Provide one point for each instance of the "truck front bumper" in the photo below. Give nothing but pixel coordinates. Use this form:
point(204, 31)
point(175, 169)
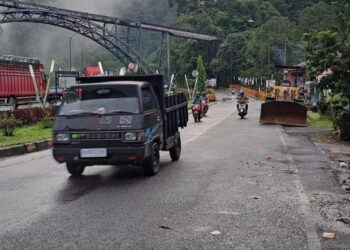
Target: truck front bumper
point(115, 156)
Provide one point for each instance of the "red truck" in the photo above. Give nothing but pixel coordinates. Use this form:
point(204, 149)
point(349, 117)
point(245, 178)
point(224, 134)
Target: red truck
point(16, 83)
point(92, 71)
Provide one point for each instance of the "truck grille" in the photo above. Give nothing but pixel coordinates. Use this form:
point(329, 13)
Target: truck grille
point(96, 136)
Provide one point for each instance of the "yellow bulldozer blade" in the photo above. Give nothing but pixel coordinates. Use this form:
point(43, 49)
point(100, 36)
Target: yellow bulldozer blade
point(284, 113)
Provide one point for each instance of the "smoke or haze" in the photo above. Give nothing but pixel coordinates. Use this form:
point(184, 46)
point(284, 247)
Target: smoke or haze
point(48, 42)
point(278, 55)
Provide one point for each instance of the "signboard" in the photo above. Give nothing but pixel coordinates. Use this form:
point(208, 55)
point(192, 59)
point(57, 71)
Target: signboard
point(270, 83)
point(133, 67)
point(212, 82)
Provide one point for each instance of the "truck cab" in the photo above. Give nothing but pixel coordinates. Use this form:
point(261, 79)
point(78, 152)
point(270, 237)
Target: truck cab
point(118, 121)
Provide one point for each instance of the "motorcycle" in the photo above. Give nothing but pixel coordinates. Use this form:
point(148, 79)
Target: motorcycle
point(205, 107)
point(197, 112)
point(242, 106)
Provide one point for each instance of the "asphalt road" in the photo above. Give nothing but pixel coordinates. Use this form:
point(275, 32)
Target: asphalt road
point(239, 178)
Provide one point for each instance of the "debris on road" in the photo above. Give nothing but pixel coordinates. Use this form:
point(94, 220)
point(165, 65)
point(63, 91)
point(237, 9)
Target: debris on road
point(165, 227)
point(328, 236)
point(216, 233)
point(343, 165)
point(255, 197)
point(269, 158)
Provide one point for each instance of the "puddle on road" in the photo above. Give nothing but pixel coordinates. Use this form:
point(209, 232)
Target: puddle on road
point(77, 187)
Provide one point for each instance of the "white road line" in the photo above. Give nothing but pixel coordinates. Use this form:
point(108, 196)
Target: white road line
point(208, 128)
point(310, 225)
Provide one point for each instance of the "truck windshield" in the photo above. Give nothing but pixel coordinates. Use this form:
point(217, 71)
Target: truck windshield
point(99, 100)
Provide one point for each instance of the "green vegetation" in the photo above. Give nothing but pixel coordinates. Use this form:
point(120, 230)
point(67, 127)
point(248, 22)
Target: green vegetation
point(8, 125)
point(257, 35)
point(319, 121)
point(202, 76)
point(330, 49)
point(26, 134)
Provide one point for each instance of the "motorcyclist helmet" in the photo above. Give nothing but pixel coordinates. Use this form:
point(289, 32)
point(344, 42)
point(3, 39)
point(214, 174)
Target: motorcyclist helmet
point(198, 93)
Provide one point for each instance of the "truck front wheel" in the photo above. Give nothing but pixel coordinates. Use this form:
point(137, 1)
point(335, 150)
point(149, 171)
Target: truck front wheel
point(175, 151)
point(75, 169)
point(12, 101)
point(151, 164)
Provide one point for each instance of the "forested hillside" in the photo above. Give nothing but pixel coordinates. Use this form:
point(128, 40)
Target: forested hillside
point(256, 34)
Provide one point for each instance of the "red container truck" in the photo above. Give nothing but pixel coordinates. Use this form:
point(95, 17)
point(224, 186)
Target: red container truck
point(16, 83)
point(92, 71)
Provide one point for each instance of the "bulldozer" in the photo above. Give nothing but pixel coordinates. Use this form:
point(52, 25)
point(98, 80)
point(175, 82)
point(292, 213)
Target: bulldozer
point(284, 106)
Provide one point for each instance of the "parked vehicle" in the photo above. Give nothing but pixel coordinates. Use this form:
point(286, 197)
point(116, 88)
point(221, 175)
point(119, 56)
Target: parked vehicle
point(284, 106)
point(16, 82)
point(92, 71)
point(242, 106)
point(118, 120)
point(63, 81)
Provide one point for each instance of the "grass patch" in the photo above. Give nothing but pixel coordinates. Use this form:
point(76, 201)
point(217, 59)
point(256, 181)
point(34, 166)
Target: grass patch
point(317, 120)
point(26, 134)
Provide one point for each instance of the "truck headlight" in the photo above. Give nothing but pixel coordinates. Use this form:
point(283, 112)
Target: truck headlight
point(62, 137)
point(130, 136)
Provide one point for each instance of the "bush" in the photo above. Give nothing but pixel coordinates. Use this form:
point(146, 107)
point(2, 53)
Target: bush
point(30, 115)
point(8, 125)
point(336, 113)
point(48, 120)
point(324, 107)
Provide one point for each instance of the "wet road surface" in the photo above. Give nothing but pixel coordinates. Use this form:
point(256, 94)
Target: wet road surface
point(246, 181)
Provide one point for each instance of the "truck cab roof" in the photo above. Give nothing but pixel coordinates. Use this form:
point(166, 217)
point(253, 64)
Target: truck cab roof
point(116, 83)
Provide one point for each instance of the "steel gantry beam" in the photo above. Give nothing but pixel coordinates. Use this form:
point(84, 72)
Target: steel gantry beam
point(122, 37)
point(86, 28)
point(114, 20)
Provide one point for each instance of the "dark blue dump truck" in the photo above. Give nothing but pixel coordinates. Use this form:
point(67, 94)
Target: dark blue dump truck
point(118, 121)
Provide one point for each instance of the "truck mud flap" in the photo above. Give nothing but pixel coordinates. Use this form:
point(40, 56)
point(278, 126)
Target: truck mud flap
point(284, 113)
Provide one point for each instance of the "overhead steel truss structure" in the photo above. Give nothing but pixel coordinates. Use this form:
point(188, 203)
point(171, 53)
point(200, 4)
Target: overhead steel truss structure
point(122, 37)
point(110, 41)
point(105, 20)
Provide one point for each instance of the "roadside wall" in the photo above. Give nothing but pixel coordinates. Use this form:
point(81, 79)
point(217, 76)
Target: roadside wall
point(250, 92)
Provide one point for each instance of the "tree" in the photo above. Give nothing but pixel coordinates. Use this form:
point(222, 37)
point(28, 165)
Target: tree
point(231, 58)
point(269, 45)
point(202, 76)
point(330, 49)
point(319, 16)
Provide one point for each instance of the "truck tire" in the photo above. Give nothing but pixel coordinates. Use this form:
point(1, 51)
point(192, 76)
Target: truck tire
point(12, 101)
point(175, 152)
point(75, 169)
point(151, 164)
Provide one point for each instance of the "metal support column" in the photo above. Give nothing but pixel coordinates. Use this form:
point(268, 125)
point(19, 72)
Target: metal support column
point(168, 57)
point(161, 53)
point(140, 43)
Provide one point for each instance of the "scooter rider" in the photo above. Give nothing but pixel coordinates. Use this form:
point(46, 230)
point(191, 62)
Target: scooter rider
point(241, 97)
point(198, 98)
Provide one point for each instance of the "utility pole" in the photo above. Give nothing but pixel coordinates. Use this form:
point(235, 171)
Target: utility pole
point(231, 68)
point(70, 53)
point(285, 52)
